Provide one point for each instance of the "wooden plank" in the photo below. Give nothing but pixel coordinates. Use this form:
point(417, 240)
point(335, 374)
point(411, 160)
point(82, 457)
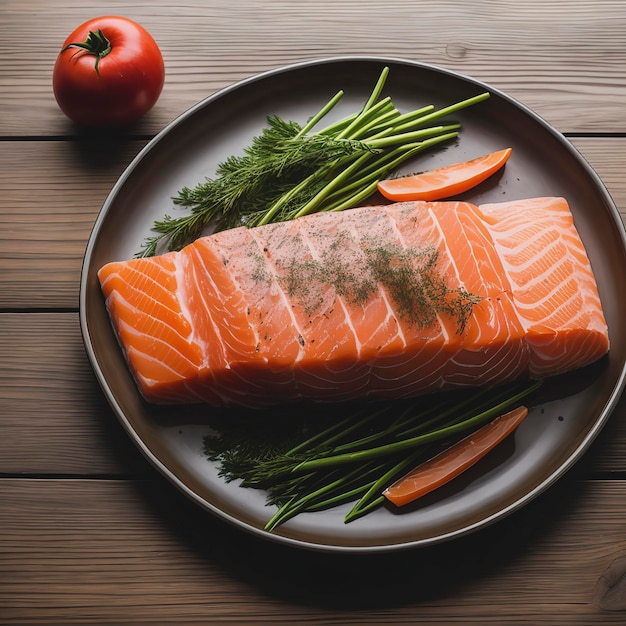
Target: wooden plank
point(570, 64)
point(136, 552)
point(46, 220)
point(51, 194)
point(605, 156)
point(55, 420)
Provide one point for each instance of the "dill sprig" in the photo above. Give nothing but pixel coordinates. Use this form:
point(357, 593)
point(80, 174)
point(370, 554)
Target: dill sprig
point(272, 165)
point(313, 463)
point(291, 170)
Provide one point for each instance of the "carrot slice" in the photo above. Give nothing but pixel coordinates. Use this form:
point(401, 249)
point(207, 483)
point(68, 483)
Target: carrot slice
point(454, 460)
point(444, 182)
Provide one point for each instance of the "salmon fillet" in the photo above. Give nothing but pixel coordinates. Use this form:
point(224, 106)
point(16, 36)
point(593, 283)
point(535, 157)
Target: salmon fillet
point(299, 310)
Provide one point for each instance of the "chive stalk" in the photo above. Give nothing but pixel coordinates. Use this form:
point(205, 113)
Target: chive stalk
point(288, 172)
point(355, 458)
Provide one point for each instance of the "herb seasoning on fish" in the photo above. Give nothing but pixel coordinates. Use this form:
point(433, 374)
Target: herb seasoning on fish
point(410, 276)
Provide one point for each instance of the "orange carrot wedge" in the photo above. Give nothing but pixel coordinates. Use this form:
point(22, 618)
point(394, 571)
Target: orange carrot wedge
point(444, 182)
point(455, 460)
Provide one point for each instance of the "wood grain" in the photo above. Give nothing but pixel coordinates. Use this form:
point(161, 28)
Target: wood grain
point(51, 194)
point(89, 532)
point(569, 64)
point(128, 552)
point(53, 417)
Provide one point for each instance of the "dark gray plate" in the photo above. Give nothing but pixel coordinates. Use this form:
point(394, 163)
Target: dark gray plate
point(543, 162)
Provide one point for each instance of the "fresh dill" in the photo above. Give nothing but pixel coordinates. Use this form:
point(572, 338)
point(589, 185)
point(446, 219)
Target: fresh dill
point(309, 460)
point(291, 170)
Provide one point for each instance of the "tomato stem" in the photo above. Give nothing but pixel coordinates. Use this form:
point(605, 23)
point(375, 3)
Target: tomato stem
point(96, 44)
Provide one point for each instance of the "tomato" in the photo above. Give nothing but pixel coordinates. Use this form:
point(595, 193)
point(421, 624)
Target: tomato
point(110, 72)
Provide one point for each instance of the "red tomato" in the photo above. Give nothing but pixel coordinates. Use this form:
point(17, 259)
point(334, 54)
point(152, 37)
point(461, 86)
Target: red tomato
point(110, 72)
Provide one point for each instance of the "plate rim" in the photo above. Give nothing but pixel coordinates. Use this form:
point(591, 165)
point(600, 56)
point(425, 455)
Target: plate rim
point(587, 440)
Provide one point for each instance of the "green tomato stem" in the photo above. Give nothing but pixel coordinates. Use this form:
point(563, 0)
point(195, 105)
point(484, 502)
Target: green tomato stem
point(96, 44)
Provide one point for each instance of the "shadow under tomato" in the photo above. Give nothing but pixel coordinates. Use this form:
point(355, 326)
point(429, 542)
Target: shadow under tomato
point(106, 151)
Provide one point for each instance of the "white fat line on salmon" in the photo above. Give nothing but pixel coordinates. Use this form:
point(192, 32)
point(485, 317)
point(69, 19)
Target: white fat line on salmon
point(272, 276)
point(433, 371)
point(573, 301)
point(192, 391)
point(566, 260)
point(211, 384)
point(184, 298)
point(393, 228)
point(233, 394)
point(127, 328)
point(158, 304)
point(118, 300)
point(504, 362)
point(440, 321)
point(546, 248)
point(338, 298)
point(382, 292)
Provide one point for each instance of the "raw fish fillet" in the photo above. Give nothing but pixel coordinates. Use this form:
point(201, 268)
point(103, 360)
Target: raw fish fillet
point(243, 317)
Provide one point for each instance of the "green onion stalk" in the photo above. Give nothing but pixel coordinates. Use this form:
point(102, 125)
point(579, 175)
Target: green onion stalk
point(291, 170)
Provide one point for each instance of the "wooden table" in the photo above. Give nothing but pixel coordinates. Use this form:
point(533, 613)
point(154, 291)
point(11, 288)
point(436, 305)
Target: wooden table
point(89, 532)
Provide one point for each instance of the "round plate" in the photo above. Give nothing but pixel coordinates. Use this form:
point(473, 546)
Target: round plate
point(543, 163)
